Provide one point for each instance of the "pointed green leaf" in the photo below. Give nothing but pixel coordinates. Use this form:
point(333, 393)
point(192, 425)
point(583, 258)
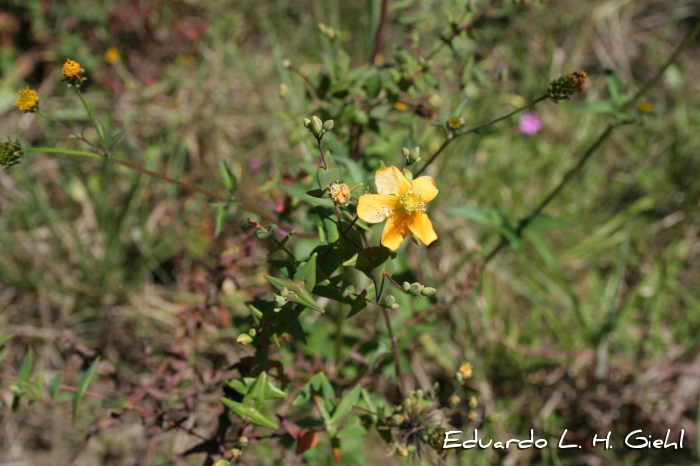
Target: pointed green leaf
point(82, 387)
point(229, 179)
point(25, 370)
point(352, 428)
point(254, 416)
point(306, 274)
point(4, 338)
point(344, 408)
point(221, 211)
point(115, 139)
point(545, 222)
point(55, 386)
point(326, 177)
point(320, 405)
point(100, 130)
point(256, 393)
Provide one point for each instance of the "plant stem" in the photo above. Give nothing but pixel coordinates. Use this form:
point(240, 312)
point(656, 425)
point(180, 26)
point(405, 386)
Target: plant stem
point(378, 33)
point(477, 129)
point(395, 348)
point(220, 197)
point(78, 136)
point(323, 154)
point(94, 123)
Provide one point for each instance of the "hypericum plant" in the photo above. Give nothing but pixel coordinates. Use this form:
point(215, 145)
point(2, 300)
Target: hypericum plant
point(347, 271)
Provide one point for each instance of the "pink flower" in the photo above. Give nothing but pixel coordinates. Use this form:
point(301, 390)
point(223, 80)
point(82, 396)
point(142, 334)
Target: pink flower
point(255, 165)
point(530, 124)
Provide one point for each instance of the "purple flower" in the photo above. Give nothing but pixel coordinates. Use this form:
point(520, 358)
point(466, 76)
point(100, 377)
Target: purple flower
point(255, 165)
point(530, 124)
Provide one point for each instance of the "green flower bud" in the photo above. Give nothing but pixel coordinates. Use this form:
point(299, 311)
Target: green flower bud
point(252, 332)
point(406, 286)
point(388, 301)
point(328, 125)
point(407, 173)
point(280, 301)
point(401, 451)
point(316, 125)
point(473, 403)
point(454, 400)
point(307, 122)
point(221, 463)
point(415, 289)
point(394, 306)
point(284, 292)
point(405, 151)
point(244, 339)
point(243, 441)
point(414, 156)
point(428, 291)
point(565, 86)
point(397, 419)
point(277, 309)
point(11, 153)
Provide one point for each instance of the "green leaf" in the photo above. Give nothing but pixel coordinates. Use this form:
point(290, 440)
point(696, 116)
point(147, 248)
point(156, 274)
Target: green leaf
point(614, 84)
point(254, 416)
point(227, 177)
point(115, 139)
point(370, 258)
point(301, 295)
point(35, 389)
point(100, 130)
point(256, 393)
point(266, 232)
point(484, 216)
point(221, 211)
point(344, 407)
point(325, 416)
point(25, 370)
point(358, 303)
point(381, 282)
point(55, 386)
point(82, 387)
point(545, 222)
point(306, 274)
point(352, 428)
point(119, 403)
point(326, 177)
point(318, 193)
point(512, 237)
point(461, 107)
point(4, 338)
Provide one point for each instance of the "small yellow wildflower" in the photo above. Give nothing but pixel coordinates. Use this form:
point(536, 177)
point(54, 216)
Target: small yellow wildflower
point(112, 55)
point(28, 100)
point(645, 107)
point(400, 106)
point(72, 70)
point(402, 204)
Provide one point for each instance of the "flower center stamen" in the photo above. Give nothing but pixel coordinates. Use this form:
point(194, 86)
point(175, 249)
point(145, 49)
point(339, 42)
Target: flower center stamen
point(412, 201)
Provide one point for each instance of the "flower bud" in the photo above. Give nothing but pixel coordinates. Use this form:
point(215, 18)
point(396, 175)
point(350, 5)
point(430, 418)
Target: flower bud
point(454, 400)
point(328, 125)
point(316, 125)
point(406, 286)
point(236, 452)
point(455, 122)
point(388, 301)
point(394, 306)
point(286, 63)
point(473, 403)
point(405, 151)
point(11, 153)
point(565, 86)
point(252, 332)
point(244, 339)
point(243, 441)
point(307, 122)
point(221, 463)
point(465, 370)
point(397, 419)
point(284, 90)
point(280, 301)
point(472, 416)
point(407, 174)
point(428, 291)
point(415, 289)
point(340, 193)
point(401, 451)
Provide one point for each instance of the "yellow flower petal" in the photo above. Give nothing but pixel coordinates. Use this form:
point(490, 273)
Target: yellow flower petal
point(375, 208)
point(421, 226)
point(395, 230)
point(390, 180)
point(426, 186)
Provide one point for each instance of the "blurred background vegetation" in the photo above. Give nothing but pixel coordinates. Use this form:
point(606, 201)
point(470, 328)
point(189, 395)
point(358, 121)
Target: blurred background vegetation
point(592, 326)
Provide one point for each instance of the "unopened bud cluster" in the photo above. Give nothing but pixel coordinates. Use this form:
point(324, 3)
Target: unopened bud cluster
point(565, 86)
point(318, 128)
point(390, 302)
point(327, 31)
point(412, 156)
point(416, 289)
point(281, 299)
point(11, 153)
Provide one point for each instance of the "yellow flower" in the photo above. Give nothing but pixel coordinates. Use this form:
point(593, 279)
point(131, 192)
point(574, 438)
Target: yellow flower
point(28, 100)
point(112, 55)
point(71, 69)
point(402, 204)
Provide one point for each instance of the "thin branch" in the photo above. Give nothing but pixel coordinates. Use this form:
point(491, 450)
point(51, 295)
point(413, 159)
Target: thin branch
point(395, 348)
point(378, 33)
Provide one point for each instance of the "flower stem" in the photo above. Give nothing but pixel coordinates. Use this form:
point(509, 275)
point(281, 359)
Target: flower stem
point(476, 129)
point(78, 136)
point(131, 166)
point(395, 348)
point(94, 122)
